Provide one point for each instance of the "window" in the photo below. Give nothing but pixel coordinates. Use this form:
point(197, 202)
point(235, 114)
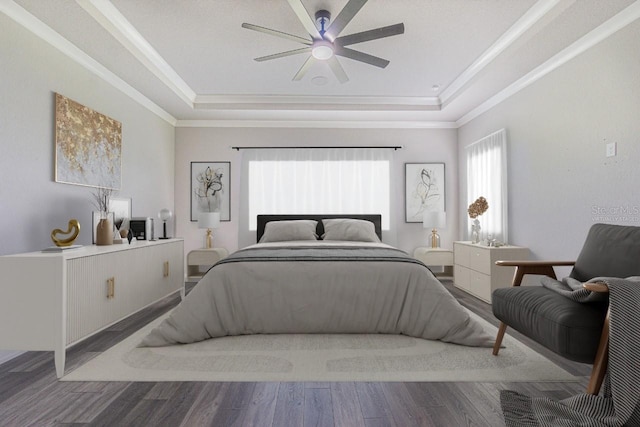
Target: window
point(487, 177)
point(312, 181)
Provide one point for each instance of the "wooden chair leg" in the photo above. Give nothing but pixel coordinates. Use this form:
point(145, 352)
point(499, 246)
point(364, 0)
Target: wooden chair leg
point(602, 360)
point(501, 330)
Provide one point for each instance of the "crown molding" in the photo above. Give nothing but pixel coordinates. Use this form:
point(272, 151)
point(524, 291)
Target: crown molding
point(121, 29)
point(595, 36)
point(46, 33)
point(317, 102)
point(526, 21)
point(319, 124)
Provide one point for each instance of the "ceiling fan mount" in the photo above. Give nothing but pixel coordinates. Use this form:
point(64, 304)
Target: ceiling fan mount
point(323, 17)
point(325, 43)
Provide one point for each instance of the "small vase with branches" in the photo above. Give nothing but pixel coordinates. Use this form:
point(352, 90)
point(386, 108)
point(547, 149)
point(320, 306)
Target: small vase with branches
point(104, 227)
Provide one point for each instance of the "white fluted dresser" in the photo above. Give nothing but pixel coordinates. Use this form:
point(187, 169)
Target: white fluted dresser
point(51, 301)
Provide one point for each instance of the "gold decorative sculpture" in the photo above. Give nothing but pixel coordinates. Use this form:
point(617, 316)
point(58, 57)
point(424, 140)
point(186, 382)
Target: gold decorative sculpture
point(74, 229)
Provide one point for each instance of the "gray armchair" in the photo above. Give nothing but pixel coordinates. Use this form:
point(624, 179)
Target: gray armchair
point(576, 331)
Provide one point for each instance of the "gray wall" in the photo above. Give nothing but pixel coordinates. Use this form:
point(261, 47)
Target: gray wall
point(211, 144)
point(31, 203)
point(560, 182)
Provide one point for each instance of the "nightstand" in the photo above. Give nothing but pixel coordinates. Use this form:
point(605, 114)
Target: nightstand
point(198, 258)
point(436, 256)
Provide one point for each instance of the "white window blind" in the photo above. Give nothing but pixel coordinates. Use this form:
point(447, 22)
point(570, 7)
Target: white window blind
point(317, 181)
point(487, 177)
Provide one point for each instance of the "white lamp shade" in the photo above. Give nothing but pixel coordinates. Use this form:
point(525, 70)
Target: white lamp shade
point(434, 219)
point(208, 219)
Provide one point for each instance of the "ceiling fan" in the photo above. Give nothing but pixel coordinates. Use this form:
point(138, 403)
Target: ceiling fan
point(324, 43)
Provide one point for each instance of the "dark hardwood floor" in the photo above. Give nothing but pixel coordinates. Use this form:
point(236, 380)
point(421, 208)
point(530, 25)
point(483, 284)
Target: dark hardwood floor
point(31, 395)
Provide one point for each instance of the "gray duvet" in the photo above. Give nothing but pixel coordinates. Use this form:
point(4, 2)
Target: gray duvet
point(311, 287)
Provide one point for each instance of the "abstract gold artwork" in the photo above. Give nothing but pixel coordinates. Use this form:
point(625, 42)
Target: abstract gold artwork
point(88, 146)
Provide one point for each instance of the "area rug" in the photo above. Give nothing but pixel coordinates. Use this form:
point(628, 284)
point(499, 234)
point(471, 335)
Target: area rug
point(353, 357)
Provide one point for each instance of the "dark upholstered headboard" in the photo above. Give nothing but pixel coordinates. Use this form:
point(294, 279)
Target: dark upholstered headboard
point(264, 219)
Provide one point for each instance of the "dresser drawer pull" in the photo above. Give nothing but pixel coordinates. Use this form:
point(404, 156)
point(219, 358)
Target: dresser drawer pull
point(165, 270)
point(111, 287)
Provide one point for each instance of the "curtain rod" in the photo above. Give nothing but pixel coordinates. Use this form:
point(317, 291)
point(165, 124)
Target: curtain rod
point(395, 147)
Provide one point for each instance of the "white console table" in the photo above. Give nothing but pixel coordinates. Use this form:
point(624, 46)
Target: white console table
point(51, 301)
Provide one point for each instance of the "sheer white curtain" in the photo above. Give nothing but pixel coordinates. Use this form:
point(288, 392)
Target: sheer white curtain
point(313, 181)
point(487, 177)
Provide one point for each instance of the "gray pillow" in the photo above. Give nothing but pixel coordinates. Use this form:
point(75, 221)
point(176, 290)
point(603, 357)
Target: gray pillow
point(281, 231)
point(358, 230)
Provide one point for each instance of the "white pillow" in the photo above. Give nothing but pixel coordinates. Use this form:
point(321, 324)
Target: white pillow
point(358, 230)
point(280, 231)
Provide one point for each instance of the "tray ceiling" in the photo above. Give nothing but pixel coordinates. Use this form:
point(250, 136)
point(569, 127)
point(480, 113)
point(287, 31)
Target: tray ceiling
point(195, 62)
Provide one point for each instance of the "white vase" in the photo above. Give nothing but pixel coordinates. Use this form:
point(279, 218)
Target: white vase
point(475, 231)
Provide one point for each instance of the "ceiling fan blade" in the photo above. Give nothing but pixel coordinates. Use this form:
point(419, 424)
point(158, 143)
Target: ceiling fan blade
point(305, 67)
point(344, 17)
point(283, 54)
point(361, 56)
point(337, 69)
point(276, 33)
point(304, 17)
point(365, 36)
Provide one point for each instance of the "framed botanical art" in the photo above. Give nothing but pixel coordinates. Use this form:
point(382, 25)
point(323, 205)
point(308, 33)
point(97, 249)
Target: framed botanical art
point(88, 146)
point(210, 189)
point(424, 189)
point(121, 208)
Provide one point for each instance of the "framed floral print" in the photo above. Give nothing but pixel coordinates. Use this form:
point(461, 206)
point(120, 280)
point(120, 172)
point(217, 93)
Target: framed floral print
point(424, 189)
point(210, 189)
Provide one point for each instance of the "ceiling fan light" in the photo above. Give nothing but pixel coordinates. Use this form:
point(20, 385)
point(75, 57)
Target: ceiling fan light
point(322, 50)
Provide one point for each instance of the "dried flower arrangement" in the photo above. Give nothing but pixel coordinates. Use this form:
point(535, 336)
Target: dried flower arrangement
point(101, 199)
point(478, 207)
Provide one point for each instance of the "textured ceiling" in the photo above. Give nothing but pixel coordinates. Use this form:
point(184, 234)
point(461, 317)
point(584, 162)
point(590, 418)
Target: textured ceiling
point(195, 61)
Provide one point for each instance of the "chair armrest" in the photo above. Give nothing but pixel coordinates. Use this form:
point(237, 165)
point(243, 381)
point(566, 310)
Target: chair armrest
point(532, 267)
point(599, 287)
point(535, 263)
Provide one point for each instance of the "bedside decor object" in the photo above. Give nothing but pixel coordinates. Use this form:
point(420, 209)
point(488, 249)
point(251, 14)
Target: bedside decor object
point(210, 191)
point(434, 220)
point(88, 146)
point(424, 189)
point(164, 215)
point(476, 209)
point(208, 220)
point(73, 229)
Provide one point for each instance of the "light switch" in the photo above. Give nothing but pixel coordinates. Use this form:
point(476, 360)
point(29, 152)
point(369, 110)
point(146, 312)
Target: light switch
point(611, 149)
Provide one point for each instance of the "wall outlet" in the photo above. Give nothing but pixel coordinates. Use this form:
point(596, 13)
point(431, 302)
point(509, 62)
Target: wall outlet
point(611, 149)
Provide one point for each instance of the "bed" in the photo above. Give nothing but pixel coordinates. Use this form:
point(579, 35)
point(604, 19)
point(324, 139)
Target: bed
point(319, 274)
